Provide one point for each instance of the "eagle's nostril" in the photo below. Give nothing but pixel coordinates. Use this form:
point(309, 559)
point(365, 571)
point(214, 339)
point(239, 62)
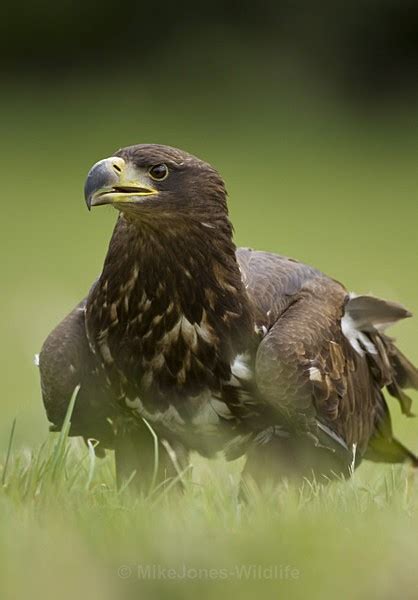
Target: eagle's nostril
point(117, 164)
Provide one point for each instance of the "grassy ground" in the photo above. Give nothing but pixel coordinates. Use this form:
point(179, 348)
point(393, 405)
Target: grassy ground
point(333, 188)
point(66, 531)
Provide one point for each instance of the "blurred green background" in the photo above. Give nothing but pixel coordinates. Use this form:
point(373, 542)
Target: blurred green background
point(309, 111)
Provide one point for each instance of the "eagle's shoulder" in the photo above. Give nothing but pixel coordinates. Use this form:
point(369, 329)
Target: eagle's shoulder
point(273, 282)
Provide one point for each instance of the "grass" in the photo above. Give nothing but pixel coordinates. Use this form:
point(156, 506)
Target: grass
point(331, 187)
point(65, 529)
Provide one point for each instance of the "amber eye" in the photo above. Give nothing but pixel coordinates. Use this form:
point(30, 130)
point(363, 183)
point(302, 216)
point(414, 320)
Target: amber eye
point(158, 172)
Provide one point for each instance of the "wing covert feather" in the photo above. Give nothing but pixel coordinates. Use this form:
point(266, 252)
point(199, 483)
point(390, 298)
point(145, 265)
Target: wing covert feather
point(66, 361)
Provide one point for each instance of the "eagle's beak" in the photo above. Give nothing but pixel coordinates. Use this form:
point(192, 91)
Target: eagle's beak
point(113, 181)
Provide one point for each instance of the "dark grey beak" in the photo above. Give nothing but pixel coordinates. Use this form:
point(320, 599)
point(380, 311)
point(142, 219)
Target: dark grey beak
point(102, 177)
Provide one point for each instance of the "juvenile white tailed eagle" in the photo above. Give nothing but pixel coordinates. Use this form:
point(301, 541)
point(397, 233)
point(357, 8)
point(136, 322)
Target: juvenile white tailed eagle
point(218, 348)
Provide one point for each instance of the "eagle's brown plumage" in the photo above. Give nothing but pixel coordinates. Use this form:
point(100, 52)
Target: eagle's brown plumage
point(218, 348)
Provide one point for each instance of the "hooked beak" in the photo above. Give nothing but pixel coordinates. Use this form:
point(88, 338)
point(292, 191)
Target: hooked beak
point(113, 181)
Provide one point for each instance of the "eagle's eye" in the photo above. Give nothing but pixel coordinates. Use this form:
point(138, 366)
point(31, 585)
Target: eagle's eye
point(158, 172)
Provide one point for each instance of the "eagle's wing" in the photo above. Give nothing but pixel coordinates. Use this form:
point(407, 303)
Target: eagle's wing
point(65, 362)
point(323, 359)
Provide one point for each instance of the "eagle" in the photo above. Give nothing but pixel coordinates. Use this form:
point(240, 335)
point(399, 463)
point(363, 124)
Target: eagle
point(189, 341)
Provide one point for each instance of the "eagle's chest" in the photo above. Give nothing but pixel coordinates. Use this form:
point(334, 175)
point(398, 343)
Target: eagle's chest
point(151, 350)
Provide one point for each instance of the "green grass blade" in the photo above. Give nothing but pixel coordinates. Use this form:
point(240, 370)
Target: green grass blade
point(9, 450)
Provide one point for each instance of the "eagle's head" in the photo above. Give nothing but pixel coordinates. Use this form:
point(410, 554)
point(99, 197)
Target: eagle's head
point(149, 181)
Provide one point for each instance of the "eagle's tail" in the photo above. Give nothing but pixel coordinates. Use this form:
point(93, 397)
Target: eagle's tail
point(390, 450)
point(391, 370)
point(394, 371)
point(404, 375)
